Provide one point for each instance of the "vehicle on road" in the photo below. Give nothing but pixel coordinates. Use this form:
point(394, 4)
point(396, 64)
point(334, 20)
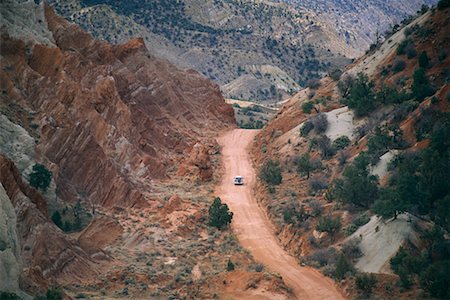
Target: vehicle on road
point(238, 180)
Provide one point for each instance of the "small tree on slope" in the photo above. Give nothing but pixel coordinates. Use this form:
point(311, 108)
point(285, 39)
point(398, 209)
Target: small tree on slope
point(219, 214)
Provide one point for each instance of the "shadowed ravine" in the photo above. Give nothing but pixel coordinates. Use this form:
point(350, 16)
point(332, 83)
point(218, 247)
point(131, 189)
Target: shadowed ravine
point(252, 226)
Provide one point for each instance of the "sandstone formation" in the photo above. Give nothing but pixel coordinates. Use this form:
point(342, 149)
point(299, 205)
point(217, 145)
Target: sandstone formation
point(111, 118)
point(107, 121)
point(42, 251)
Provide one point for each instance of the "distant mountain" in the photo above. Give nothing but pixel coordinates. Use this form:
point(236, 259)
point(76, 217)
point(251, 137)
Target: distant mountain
point(358, 21)
point(256, 50)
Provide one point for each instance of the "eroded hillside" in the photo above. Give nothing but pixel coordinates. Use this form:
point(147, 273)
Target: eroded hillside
point(354, 174)
point(106, 168)
point(253, 50)
point(259, 50)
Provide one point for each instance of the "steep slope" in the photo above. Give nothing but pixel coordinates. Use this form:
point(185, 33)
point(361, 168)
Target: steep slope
point(248, 45)
point(130, 116)
point(125, 142)
point(358, 22)
point(245, 46)
point(395, 124)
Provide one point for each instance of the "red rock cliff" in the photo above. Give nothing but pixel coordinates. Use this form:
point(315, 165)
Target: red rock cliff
point(111, 118)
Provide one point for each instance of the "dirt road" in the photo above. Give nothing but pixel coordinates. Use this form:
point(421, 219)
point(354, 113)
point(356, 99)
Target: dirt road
point(253, 228)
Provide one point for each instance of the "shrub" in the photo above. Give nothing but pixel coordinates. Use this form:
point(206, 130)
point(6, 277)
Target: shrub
point(56, 218)
point(342, 267)
point(316, 208)
point(258, 267)
point(329, 224)
point(54, 294)
point(357, 186)
point(294, 214)
point(324, 257)
point(410, 51)
point(40, 177)
point(306, 128)
point(230, 266)
point(389, 94)
point(313, 84)
point(305, 165)
point(436, 281)
point(443, 4)
point(398, 65)
point(307, 107)
point(317, 183)
point(402, 110)
point(219, 214)
point(361, 97)
point(421, 87)
point(365, 283)
point(341, 142)
point(324, 145)
point(401, 47)
point(345, 85)
point(9, 296)
point(350, 229)
point(424, 60)
point(343, 156)
point(335, 74)
point(361, 220)
point(320, 122)
point(442, 55)
point(351, 248)
point(271, 173)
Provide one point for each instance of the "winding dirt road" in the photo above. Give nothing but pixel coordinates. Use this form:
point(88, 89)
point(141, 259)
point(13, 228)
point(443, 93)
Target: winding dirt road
point(252, 226)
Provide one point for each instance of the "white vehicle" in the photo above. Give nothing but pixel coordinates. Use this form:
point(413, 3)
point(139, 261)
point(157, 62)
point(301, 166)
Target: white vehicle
point(238, 180)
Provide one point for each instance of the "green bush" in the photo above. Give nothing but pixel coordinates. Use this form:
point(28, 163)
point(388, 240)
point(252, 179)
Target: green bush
point(421, 87)
point(358, 186)
point(307, 107)
point(343, 267)
point(320, 122)
point(230, 266)
point(329, 224)
point(361, 220)
point(365, 283)
point(306, 128)
point(305, 165)
point(54, 294)
point(323, 143)
point(56, 218)
point(361, 97)
point(424, 61)
point(341, 142)
point(443, 4)
point(335, 74)
point(398, 65)
point(40, 177)
point(271, 173)
point(401, 49)
point(9, 296)
point(219, 214)
point(436, 280)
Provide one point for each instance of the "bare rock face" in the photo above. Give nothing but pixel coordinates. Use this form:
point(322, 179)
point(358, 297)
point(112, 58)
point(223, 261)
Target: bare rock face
point(106, 120)
point(111, 118)
point(9, 245)
point(45, 252)
point(197, 165)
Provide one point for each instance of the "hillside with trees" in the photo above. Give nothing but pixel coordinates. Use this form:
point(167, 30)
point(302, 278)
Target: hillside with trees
point(375, 172)
point(257, 50)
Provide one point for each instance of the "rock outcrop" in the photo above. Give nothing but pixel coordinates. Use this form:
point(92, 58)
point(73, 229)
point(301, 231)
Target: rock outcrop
point(41, 250)
point(107, 121)
point(111, 118)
